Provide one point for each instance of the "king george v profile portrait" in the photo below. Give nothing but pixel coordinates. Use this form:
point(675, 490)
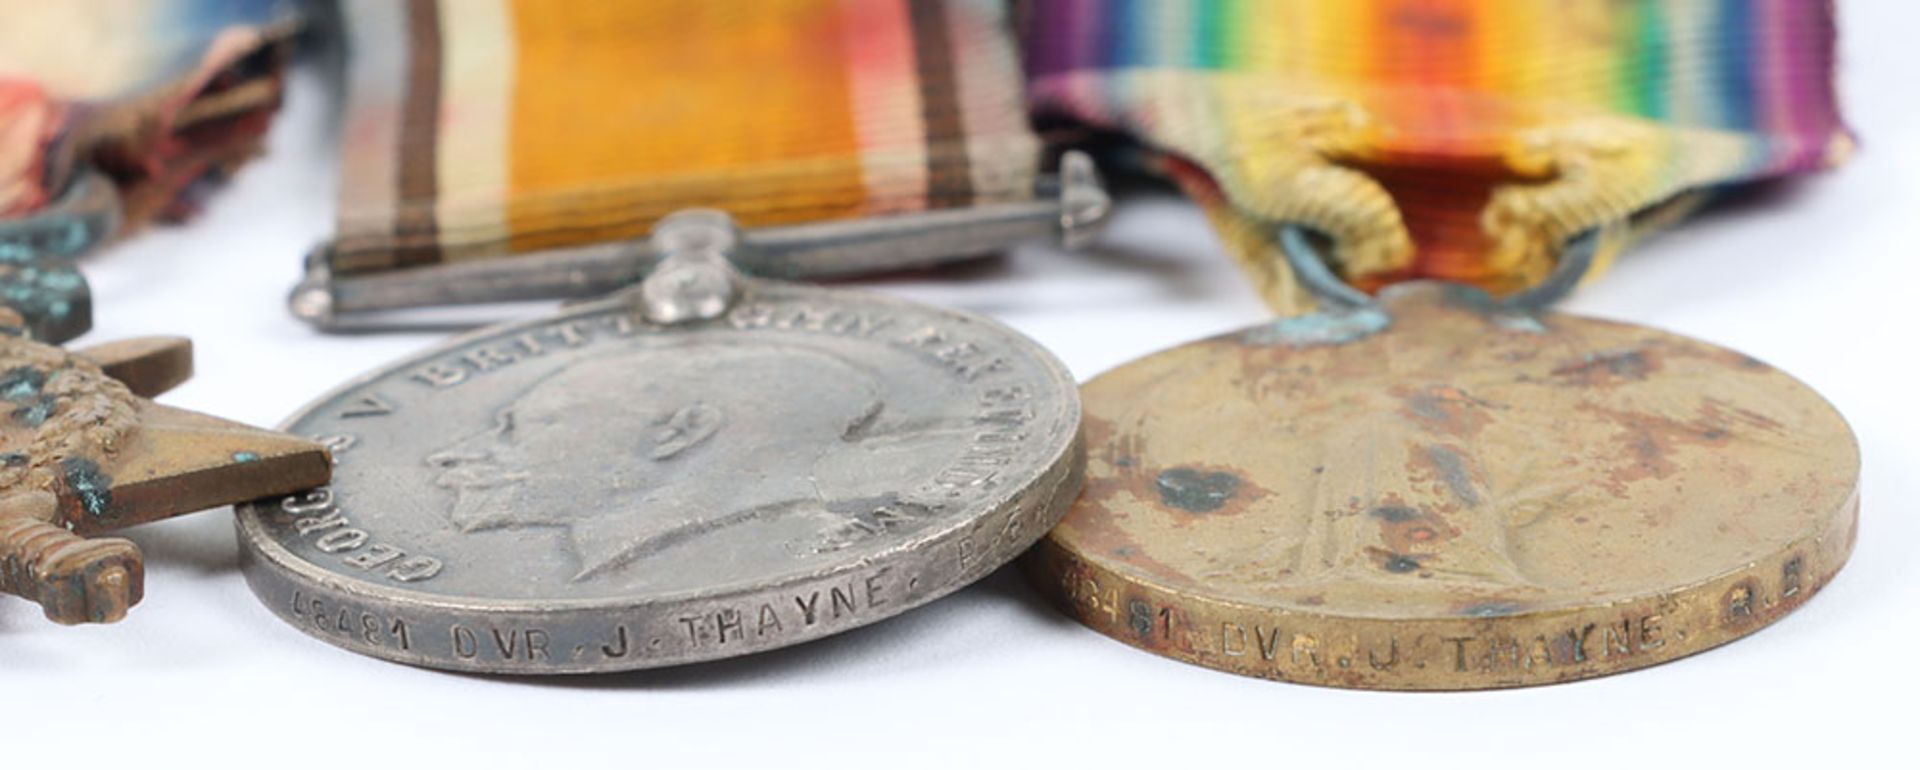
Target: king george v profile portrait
point(649, 449)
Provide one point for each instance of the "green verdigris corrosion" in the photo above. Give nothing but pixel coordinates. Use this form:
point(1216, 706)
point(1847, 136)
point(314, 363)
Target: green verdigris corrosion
point(93, 488)
point(38, 278)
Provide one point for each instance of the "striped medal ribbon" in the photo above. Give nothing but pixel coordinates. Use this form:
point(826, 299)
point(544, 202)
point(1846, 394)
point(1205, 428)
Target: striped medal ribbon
point(559, 133)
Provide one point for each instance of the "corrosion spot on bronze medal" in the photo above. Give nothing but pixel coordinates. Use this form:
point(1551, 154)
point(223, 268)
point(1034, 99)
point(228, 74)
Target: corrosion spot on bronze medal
point(21, 383)
point(1405, 529)
point(1444, 409)
point(1395, 514)
point(36, 412)
point(92, 487)
point(24, 386)
point(1193, 490)
point(1451, 467)
point(1491, 609)
point(1607, 367)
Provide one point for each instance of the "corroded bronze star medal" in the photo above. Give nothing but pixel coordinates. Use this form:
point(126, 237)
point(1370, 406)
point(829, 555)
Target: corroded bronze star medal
point(1444, 492)
point(83, 452)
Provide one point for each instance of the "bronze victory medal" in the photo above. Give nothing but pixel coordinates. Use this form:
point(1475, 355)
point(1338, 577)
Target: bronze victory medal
point(1464, 497)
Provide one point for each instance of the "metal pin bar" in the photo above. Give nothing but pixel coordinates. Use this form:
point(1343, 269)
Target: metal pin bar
point(1077, 205)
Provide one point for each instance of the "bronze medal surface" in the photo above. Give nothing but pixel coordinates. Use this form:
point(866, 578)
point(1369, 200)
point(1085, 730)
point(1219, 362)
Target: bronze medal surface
point(1461, 499)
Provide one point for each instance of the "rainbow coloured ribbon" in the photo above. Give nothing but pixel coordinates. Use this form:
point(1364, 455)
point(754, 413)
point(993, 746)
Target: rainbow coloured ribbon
point(1456, 139)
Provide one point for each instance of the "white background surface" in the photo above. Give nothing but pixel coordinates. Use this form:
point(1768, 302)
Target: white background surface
point(1819, 279)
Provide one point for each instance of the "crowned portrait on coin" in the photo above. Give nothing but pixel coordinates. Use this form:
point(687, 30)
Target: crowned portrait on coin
point(639, 452)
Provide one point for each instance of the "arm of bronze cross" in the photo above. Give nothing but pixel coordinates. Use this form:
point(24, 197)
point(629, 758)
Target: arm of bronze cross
point(82, 451)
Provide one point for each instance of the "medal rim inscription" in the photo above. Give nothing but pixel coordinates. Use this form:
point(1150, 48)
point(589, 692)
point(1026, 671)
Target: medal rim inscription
point(277, 575)
point(1186, 623)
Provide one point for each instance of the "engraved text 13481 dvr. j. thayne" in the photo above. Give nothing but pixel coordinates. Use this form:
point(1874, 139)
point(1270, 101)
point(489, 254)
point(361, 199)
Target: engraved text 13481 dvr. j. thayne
point(597, 491)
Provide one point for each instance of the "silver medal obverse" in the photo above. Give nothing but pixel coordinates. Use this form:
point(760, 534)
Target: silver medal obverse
point(597, 492)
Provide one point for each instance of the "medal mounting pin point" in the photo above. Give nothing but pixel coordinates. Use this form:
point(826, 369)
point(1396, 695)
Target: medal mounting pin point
point(695, 280)
point(1069, 208)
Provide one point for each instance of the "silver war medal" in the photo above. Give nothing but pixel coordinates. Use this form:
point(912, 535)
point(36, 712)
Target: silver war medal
point(700, 467)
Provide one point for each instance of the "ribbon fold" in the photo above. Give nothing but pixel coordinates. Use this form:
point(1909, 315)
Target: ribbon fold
point(1463, 140)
